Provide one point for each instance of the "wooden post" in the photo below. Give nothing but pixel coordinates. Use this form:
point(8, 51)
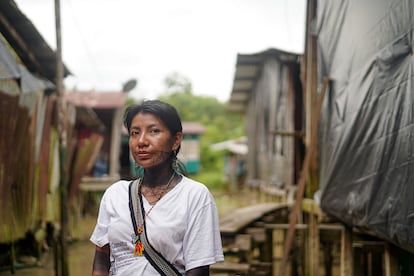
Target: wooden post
point(311, 151)
point(268, 247)
point(63, 184)
point(278, 238)
point(346, 265)
point(12, 258)
point(390, 261)
point(313, 245)
point(313, 104)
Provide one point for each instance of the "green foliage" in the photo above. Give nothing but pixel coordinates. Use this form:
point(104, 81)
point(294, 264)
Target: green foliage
point(212, 179)
point(176, 83)
point(220, 124)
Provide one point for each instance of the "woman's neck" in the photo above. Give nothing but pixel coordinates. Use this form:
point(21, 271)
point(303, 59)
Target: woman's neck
point(157, 176)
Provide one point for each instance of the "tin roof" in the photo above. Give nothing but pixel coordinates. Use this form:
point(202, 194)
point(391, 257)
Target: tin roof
point(27, 42)
point(247, 73)
point(97, 99)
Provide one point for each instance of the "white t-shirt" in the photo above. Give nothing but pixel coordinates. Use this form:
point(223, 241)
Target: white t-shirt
point(183, 226)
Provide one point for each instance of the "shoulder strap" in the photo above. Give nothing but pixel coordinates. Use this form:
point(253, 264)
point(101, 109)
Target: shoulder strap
point(155, 258)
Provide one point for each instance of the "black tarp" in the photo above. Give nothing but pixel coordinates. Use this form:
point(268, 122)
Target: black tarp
point(366, 135)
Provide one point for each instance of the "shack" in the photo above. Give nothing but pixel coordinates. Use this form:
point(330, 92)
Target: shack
point(108, 107)
point(190, 146)
point(29, 142)
point(344, 139)
point(267, 90)
point(234, 154)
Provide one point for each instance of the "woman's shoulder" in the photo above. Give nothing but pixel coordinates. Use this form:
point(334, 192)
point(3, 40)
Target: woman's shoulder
point(195, 193)
point(193, 187)
point(118, 186)
point(194, 184)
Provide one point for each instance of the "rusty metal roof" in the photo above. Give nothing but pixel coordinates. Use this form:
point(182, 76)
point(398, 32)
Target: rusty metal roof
point(27, 42)
point(97, 99)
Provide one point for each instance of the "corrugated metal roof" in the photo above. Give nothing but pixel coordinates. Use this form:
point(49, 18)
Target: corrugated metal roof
point(248, 70)
point(9, 68)
point(237, 146)
point(97, 99)
point(27, 42)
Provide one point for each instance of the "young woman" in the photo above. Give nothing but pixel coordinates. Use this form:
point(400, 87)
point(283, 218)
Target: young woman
point(179, 215)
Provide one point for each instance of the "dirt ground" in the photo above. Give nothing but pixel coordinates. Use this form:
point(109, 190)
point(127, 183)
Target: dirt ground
point(81, 251)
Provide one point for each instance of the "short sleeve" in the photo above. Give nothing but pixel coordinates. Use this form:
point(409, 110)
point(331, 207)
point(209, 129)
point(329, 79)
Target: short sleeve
point(202, 243)
point(100, 234)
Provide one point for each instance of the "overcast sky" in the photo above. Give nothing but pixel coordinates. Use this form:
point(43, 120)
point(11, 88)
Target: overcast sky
point(107, 42)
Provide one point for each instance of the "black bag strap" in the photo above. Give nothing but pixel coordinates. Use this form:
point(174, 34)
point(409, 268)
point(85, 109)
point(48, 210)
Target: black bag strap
point(155, 258)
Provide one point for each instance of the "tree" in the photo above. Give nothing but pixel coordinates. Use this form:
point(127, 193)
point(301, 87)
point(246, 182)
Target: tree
point(220, 124)
point(177, 83)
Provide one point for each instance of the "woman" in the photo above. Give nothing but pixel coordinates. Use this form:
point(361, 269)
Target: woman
point(179, 215)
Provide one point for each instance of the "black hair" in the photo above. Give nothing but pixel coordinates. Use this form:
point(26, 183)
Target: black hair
point(164, 111)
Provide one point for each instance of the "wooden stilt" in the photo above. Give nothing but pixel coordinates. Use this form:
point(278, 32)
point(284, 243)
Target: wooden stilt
point(391, 261)
point(313, 243)
point(12, 259)
point(346, 252)
point(278, 251)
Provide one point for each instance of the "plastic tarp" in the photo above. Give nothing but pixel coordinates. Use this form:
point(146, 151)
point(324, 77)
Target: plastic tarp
point(366, 134)
point(9, 69)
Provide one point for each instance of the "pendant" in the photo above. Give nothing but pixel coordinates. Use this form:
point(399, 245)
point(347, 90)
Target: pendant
point(138, 248)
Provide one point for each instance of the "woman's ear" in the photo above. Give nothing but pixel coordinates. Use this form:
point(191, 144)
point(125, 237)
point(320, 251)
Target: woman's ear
point(177, 142)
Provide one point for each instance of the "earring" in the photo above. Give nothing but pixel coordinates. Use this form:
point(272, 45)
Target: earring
point(174, 163)
point(139, 171)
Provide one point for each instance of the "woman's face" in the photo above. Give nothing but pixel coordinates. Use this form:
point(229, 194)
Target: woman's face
point(150, 141)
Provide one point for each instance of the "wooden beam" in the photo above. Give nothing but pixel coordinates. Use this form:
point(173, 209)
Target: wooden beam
point(346, 263)
point(299, 134)
point(391, 261)
point(311, 151)
point(313, 245)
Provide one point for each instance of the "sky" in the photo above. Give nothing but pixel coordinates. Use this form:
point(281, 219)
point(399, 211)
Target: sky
point(105, 43)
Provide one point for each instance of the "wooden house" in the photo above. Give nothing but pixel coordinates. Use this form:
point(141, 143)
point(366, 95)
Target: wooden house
point(267, 89)
point(32, 127)
point(352, 124)
point(190, 146)
point(234, 153)
point(104, 168)
point(29, 140)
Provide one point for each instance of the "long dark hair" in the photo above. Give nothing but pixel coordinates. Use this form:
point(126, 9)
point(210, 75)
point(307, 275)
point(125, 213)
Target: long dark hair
point(167, 114)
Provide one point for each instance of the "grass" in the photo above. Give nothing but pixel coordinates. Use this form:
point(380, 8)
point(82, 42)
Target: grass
point(214, 180)
point(226, 199)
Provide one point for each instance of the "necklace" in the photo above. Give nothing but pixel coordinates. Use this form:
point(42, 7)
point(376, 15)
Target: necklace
point(160, 193)
point(139, 247)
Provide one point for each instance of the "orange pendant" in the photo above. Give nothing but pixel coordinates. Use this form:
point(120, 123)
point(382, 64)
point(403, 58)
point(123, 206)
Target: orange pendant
point(139, 230)
point(138, 249)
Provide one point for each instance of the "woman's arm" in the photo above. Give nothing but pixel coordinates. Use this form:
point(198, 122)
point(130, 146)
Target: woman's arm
point(101, 262)
point(199, 271)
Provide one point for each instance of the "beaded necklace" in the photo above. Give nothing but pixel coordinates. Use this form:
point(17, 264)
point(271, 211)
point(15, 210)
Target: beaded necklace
point(139, 247)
